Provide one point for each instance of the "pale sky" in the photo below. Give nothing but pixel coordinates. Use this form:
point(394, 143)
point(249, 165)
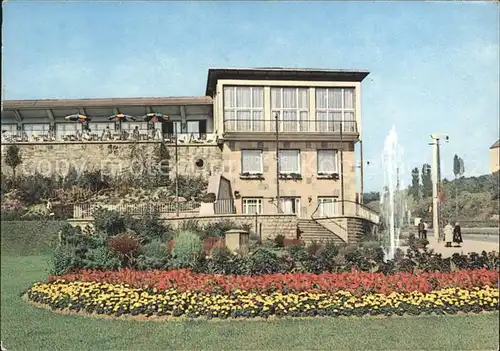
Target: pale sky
point(434, 65)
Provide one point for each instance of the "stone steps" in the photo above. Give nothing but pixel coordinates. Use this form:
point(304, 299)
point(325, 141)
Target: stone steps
point(312, 231)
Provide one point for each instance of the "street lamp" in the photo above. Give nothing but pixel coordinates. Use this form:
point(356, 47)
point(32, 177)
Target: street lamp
point(436, 181)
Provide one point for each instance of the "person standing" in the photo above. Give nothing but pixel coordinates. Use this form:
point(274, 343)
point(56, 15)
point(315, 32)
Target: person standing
point(448, 234)
point(420, 229)
point(426, 228)
point(457, 234)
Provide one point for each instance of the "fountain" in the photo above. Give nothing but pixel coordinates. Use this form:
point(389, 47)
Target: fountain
point(394, 210)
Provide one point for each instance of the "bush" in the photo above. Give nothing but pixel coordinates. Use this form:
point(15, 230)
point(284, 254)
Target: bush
point(125, 246)
point(63, 260)
point(188, 246)
point(154, 255)
point(149, 229)
point(109, 222)
point(101, 258)
point(266, 261)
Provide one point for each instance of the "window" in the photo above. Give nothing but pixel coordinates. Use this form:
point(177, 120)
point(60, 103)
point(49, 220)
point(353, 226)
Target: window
point(171, 128)
point(251, 161)
point(327, 162)
point(243, 109)
point(196, 128)
point(292, 107)
point(130, 126)
point(252, 205)
point(10, 130)
point(99, 127)
point(290, 205)
point(327, 206)
point(37, 129)
point(66, 129)
point(289, 161)
point(333, 106)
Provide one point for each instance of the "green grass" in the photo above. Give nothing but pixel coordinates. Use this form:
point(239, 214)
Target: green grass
point(25, 327)
point(29, 237)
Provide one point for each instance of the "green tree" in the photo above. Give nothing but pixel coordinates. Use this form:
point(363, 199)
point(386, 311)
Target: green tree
point(458, 171)
point(414, 189)
point(13, 158)
point(426, 181)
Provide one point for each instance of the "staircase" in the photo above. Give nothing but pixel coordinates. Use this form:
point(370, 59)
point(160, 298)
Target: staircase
point(312, 231)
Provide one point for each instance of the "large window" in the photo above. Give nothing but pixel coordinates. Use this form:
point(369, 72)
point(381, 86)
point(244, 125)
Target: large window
point(251, 162)
point(99, 127)
point(40, 128)
point(289, 161)
point(327, 162)
point(333, 107)
point(252, 205)
point(9, 129)
point(292, 107)
point(290, 205)
point(67, 129)
point(243, 109)
point(328, 206)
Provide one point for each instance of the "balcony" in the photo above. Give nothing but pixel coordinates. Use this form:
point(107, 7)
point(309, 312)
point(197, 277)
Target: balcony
point(290, 130)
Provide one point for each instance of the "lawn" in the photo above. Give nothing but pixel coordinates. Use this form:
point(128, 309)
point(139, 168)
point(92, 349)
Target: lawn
point(27, 328)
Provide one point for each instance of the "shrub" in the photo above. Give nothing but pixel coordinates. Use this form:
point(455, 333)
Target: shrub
point(266, 261)
point(63, 260)
point(109, 222)
point(149, 228)
point(187, 247)
point(126, 246)
point(154, 255)
point(101, 258)
point(279, 240)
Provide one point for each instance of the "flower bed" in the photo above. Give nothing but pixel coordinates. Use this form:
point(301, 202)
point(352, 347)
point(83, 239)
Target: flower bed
point(355, 282)
point(119, 299)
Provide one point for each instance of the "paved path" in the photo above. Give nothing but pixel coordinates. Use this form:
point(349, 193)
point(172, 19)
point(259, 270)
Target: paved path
point(466, 247)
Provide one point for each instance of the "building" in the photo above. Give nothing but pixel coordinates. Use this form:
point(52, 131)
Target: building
point(495, 157)
point(287, 140)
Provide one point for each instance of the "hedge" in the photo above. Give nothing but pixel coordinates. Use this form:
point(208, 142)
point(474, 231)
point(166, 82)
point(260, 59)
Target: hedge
point(25, 238)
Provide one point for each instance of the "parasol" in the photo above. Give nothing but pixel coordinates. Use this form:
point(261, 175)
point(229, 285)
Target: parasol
point(155, 117)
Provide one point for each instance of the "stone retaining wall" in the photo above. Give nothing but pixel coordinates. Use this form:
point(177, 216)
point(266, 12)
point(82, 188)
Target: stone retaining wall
point(113, 159)
point(268, 225)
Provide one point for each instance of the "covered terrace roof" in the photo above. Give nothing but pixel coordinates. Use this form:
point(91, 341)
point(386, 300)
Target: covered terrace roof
point(57, 109)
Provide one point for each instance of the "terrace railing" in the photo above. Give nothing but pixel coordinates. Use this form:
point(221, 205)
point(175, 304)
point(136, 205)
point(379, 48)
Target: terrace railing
point(86, 210)
point(290, 125)
point(37, 137)
point(351, 208)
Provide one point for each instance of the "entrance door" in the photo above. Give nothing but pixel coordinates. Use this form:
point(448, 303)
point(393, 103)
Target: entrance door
point(290, 205)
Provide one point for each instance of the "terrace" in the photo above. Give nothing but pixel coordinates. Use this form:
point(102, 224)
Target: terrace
point(188, 120)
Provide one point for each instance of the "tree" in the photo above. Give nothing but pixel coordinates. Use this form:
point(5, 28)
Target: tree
point(458, 170)
point(414, 189)
point(426, 181)
point(13, 158)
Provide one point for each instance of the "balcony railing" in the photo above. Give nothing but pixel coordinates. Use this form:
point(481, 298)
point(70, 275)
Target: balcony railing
point(298, 126)
point(37, 137)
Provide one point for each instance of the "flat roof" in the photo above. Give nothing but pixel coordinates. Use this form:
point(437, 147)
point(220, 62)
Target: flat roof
point(282, 73)
point(106, 102)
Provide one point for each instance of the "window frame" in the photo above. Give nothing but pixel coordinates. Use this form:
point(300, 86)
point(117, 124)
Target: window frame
point(259, 203)
point(300, 127)
point(299, 161)
point(243, 171)
point(255, 124)
point(322, 201)
point(322, 172)
point(330, 123)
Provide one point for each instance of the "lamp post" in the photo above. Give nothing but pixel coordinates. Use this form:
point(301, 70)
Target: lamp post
point(276, 125)
point(176, 171)
point(436, 180)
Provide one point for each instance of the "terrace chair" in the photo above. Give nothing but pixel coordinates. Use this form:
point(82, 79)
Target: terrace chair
point(182, 138)
point(211, 138)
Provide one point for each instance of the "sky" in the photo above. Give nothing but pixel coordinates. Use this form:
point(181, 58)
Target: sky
point(434, 66)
